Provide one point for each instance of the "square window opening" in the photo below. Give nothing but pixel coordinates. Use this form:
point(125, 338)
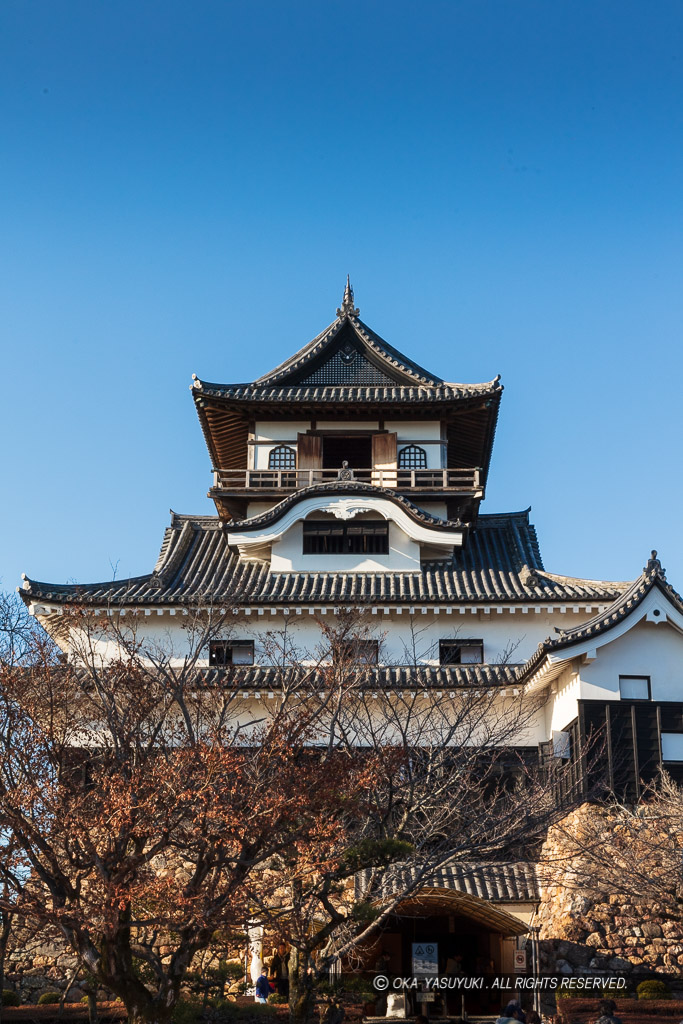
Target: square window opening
point(231, 652)
point(461, 652)
point(672, 746)
point(634, 687)
point(358, 652)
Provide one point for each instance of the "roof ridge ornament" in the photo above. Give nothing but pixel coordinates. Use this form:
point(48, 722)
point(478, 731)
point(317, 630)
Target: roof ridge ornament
point(654, 565)
point(347, 307)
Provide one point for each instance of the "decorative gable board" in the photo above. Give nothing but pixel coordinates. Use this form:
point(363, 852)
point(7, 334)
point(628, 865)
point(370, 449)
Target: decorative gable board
point(348, 366)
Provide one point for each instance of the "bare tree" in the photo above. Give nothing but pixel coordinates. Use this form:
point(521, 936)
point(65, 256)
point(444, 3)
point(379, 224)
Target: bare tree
point(448, 784)
point(136, 800)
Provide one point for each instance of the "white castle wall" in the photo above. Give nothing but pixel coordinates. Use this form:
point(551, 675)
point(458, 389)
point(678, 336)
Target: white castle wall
point(648, 649)
point(499, 631)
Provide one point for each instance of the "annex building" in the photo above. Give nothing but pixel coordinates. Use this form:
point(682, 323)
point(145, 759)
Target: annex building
point(349, 476)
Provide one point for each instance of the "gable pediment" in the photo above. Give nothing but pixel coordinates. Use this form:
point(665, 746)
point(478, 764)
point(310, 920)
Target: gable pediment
point(348, 365)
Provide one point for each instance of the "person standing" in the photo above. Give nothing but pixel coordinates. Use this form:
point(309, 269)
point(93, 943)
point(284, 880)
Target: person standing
point(262, 987)
point(279, 970)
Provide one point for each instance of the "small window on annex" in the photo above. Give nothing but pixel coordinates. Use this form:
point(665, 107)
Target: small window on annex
point(412, 457)
point(461, 652)
point(282, 457)
point(359, 652)
point(634, 687)
point(231, 652)
point(672, 746)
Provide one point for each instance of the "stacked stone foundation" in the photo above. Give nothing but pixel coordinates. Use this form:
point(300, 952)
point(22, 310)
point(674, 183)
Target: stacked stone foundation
point(582, 932)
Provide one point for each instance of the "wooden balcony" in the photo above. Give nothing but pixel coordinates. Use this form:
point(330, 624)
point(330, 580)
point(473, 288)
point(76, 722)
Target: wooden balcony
point(283, 481)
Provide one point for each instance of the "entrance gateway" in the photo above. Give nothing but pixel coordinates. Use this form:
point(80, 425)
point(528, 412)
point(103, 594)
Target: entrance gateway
point(465, 926)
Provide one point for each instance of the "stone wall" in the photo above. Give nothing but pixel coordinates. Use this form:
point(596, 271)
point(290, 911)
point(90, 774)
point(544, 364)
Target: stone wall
point(584, 930)
point(39, 963)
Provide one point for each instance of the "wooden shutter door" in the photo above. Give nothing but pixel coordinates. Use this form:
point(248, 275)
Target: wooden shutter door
point(384, 460)
point(309, 455)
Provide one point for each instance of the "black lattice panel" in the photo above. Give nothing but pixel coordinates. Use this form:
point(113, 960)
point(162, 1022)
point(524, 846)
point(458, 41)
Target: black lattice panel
point(340, 370)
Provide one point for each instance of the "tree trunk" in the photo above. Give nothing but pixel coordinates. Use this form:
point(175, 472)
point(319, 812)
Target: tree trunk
point(6, 918)
point(74, 974)
point(301, 988)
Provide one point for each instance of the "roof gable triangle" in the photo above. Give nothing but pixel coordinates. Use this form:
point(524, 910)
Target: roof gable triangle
point(339, 346)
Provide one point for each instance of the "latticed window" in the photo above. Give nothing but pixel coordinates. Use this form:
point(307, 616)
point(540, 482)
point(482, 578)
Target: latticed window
point(412, 457)
point(282, 457)
point(325, 538)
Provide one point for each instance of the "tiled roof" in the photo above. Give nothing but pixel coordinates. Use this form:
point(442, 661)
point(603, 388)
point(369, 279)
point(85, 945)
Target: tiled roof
point(508, 881)
point(264, 677)
point(632, 595)
point(352, 393)
point(500, 562)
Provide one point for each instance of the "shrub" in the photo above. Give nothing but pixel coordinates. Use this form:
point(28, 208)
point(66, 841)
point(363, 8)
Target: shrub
point(276, 998)
point(653, 990)
point(10, 997)
point(48, 998)
point(186, 1011)
point(570, 992)
point(225, 1009)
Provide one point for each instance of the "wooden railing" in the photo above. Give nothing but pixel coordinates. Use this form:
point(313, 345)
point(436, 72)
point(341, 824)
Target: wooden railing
point(397, 479)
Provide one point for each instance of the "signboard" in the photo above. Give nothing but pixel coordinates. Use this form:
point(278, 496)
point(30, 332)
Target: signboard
point(426, 997)
point(520, 960)
point(425, 959)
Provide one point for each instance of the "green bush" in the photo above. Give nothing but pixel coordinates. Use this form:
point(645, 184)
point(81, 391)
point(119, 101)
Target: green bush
point(186, 1011)
point(10, 997)
point(276, 998)
point(653, 990)
point(48, 998)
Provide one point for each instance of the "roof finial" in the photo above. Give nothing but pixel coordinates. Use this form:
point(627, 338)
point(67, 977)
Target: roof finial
point(347, 307)
point(654, 565)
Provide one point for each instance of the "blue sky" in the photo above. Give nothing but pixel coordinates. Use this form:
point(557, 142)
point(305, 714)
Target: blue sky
point(186, 185)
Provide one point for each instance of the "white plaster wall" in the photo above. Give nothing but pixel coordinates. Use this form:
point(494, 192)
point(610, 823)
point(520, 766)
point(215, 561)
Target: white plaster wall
point(395, 631)
point(347, 426)
point(562, 707)
point(280, 430)
point(648, 649)
point(435, 508)
point(256, 508)
point(386, 717)
point(415, 430)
